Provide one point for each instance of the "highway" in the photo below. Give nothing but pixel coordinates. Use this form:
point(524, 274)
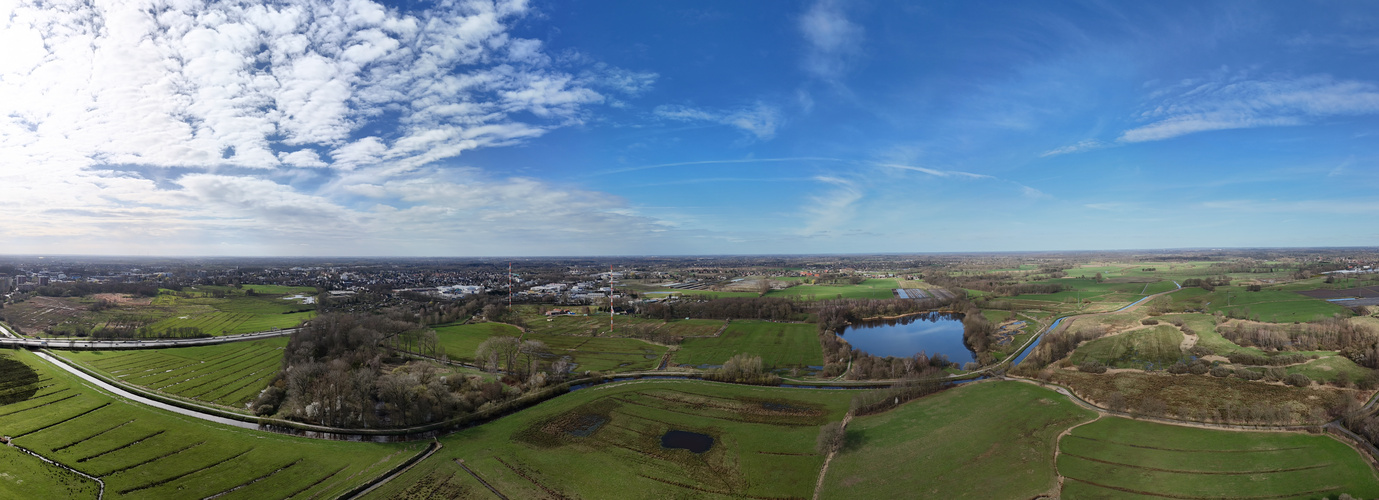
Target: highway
point(11, 341)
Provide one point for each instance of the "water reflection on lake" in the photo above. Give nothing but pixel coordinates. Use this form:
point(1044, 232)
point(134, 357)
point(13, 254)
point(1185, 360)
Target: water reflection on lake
point(933, 333)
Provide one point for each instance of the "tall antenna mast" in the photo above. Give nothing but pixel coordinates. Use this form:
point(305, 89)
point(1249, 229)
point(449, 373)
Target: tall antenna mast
point(610, 299)
point(509, 285)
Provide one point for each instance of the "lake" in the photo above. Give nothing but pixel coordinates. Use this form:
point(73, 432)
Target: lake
point(933, 333)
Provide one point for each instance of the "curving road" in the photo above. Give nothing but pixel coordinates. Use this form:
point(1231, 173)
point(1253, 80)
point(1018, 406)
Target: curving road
point(112, 345)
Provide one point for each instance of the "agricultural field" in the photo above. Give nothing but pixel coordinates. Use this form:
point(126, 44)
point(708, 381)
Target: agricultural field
point(1122, 458)
point(875, 288)
point(141, 452)
point(25, 476)
point(211, 310)
point(780, 345)
point(606, 442)
point(229, 375)
point(1144, 348)
point(597, 324)
point(589, 353)
point(982, 440)
point(1271, 306)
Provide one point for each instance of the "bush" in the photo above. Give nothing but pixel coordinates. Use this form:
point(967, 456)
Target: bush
point(1248, 374)
point(1091, 366)
point(1198, 369)
point(1297, 380)
point(1178, 368)
point(1275, 374)
point(1220, 371)
point(1149, 321)
point(831, 438)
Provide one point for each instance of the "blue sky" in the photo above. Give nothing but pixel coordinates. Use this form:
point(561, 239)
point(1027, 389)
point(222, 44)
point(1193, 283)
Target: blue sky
point(578, 128)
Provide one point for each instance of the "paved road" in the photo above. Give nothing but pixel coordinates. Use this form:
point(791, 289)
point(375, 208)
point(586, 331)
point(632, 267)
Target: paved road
point(111, 345)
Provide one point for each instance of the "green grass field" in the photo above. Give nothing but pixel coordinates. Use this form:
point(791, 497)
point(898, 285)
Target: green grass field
point(140, 452)
point(1121, 458)
point(1157, 346)
point(780, 345)
point(226, 374)
point(24, 476)
point(589, 353)
point(228, 316)
point(984, 440)
point(1272, 306)
point(598, 324)
point(605, 442)
point(1330, 366)
point(875, 288)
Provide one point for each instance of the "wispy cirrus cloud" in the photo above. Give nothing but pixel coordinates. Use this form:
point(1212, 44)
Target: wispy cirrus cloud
point(1226, 103)
point(1222, 104)
point(759, 119)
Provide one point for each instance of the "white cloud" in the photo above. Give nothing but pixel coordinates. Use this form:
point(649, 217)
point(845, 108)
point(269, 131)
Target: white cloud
point(759, 119)
point(1232, 103)
point(832, 39)
point(229, 83)
point(832, 210)
point(1086, 145)
point(105, 107)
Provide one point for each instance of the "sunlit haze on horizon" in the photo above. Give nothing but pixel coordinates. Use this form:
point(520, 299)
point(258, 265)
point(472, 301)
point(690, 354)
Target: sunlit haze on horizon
point(480, 128)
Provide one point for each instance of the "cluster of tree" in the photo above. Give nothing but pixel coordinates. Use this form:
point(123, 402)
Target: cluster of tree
point(744, 369)
point(699, 306)
point(881, 400)
point(1057, 344)
point(1333, 334)
point(1245, 358)
point(868, 367)
point(1208, 283)
point(1005, 284)
point(833, 315)
point(976, 333)
point(337, 370)
point(176, 332)
point(518, 358)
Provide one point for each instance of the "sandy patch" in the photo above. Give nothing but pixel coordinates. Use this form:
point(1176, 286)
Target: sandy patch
point(123, 299)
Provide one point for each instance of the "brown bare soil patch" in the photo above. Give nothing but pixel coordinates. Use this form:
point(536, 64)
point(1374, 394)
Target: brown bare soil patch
point(1370, 291)
point(1203, 397)
point(123, 299)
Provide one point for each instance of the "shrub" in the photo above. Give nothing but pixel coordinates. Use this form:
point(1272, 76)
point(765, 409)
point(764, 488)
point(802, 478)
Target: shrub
point(1275, 374)
point(1248, 374)
point(831, 438)
point(1297, 380)
point(1092, 366)
point(1220, 371)
point(1198, 369)
point(1149, 321)
point(1178, 368)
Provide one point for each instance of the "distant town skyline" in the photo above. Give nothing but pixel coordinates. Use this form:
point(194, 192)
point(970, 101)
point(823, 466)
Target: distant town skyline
point(574, 128)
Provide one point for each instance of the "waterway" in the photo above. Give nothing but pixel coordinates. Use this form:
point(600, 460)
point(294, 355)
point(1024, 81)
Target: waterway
point(932, 333)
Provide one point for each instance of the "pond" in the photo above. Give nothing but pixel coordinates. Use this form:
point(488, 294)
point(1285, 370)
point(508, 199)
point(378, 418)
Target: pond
point(933, 333)
point(692, 441)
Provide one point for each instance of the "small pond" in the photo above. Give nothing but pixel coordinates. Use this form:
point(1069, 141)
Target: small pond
point(933, 333)
point(692, 441)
